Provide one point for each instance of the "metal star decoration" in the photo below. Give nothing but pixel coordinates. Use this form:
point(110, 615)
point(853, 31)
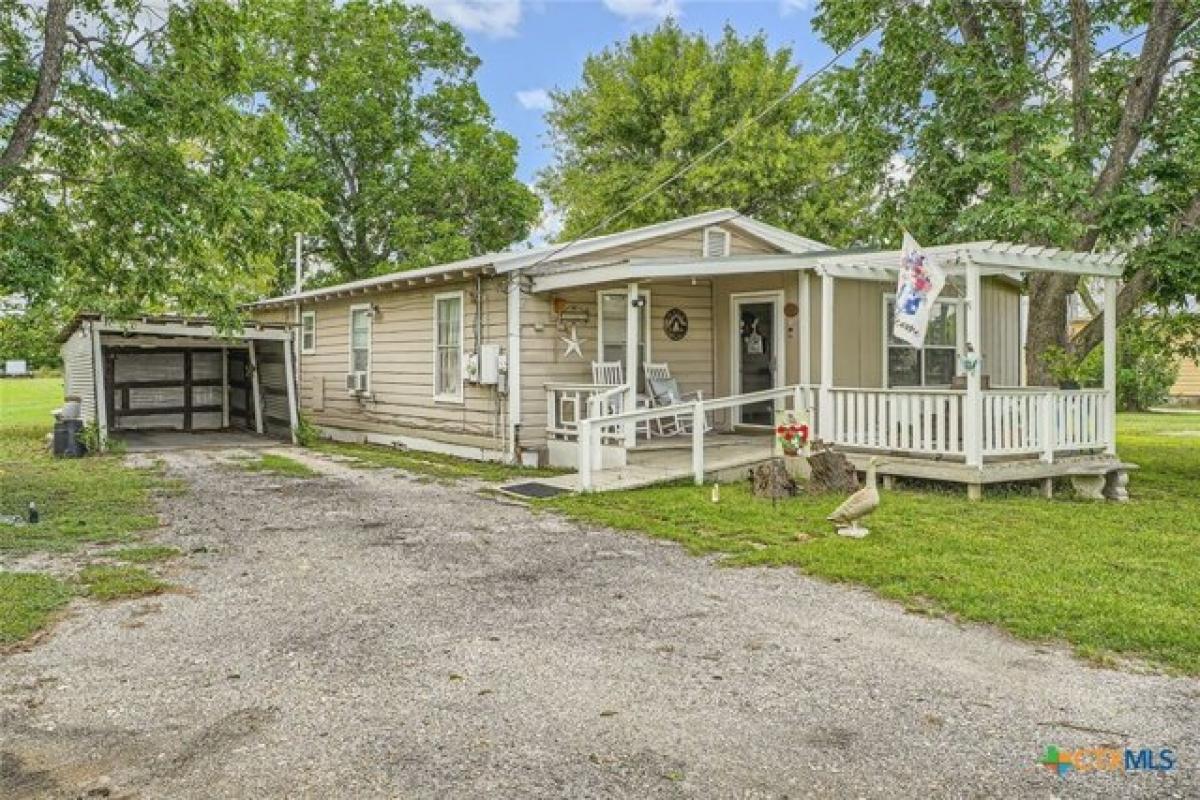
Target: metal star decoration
point(573, 343)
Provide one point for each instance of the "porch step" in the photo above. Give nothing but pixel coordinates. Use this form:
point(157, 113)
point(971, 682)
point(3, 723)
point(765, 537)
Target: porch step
point(725, 463)
point(678, 449)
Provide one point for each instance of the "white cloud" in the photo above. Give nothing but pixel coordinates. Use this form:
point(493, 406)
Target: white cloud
point(534, 99)
point(789, 7)
point(495, 18)
point(548, 227)
point(644, 9)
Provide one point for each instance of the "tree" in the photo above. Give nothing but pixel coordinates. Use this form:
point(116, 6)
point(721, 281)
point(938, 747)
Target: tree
point(1044, 121)
point(649, 105)
point(134, 162)
point(388, 130)
point(28, 334)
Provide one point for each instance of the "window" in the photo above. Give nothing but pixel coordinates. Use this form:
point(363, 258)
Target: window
point(936, 363)
point(614, 310)
point(448, 345)
point(360, 339)
point(308, 332)
point(716, 243)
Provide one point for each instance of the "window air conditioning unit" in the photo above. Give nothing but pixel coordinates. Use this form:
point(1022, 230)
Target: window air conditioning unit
point(356, 382)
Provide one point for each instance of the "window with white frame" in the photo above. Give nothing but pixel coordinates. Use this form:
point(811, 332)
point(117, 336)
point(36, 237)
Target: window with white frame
point(360, 339)
point(936, 363)
point(448, 345)
point(308, 332)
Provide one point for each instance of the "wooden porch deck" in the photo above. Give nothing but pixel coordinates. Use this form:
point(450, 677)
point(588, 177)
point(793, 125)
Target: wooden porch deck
point(666, 459)
point(728, 455)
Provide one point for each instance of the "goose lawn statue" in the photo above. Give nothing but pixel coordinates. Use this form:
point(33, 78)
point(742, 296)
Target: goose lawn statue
point(858, 505)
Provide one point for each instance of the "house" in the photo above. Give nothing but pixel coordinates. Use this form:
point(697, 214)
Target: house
point(493, 357)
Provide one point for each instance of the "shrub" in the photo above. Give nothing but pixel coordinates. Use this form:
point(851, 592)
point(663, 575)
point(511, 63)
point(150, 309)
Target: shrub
point(1147, 364)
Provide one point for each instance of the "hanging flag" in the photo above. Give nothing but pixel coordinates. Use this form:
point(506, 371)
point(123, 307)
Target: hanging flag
point(918, 286)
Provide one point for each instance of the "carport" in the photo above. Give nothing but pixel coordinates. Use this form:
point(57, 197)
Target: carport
point(167, 376)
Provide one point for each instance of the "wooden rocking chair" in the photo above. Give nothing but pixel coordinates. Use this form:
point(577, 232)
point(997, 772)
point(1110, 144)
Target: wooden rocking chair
point(668, 394)
point(612, 373)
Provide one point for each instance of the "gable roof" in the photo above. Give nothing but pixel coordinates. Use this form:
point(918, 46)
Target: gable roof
point(547, 257)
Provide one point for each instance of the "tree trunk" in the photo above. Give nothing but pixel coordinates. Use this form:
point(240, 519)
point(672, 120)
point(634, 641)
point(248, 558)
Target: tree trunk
point(831, 472)
point(49, 77)
point(772, 480)
point(1047, 326)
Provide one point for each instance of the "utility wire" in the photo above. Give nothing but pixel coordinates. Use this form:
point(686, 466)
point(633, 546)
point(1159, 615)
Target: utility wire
point(728, 139)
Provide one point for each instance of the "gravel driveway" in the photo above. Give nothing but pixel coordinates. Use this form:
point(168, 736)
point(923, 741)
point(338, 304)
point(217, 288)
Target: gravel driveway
point(367, 634)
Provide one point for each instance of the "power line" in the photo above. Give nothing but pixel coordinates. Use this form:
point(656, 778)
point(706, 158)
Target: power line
point(691, 165)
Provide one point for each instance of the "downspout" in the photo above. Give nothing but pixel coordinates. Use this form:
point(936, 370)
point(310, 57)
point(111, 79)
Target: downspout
point(513, 360)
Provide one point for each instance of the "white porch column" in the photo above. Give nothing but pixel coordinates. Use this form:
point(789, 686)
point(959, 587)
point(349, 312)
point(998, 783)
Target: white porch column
point(804, 327)
point(825, 426)
point(633, 316)
point(256, 388)
point(513, 360)
point(1110, 365)
point(973, 410)
point(290, 377)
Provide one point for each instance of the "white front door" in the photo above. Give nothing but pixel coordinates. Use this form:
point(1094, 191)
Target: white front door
point(757, 347)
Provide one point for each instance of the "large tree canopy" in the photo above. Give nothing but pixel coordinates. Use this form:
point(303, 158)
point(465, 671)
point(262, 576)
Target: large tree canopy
point(388, 130)
point(133, 170)
point(649, 105)
point(1032, 120)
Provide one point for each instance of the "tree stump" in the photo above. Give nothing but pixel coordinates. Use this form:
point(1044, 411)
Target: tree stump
point(831, 471)
point(772, 480)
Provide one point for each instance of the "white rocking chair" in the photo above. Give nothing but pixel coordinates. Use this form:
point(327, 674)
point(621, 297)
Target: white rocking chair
point(674, 424)
point(612, 373)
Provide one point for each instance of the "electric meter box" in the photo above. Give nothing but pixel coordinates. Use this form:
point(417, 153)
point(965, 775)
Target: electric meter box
point(489, 364)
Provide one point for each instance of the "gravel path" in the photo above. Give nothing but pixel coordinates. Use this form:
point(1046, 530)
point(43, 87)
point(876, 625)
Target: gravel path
point(366, 634)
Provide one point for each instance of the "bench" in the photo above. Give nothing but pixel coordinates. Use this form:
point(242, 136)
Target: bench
point(1102, 481)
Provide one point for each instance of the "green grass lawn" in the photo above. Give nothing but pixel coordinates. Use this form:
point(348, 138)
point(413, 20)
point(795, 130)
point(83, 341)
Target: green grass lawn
point(434, 465)
point(94, 500)
point(279, 465)
point(1110, 579)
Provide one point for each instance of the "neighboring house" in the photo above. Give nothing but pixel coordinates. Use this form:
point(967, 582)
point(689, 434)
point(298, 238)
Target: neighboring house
point(1186, 389)
point(492, 357)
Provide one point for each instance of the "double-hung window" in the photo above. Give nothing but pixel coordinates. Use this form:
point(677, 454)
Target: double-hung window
point(360, 339)
point(308, 332)
point(448, 347)
point(934, 364)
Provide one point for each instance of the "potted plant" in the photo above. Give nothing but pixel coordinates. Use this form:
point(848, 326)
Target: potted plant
point(1064, 367)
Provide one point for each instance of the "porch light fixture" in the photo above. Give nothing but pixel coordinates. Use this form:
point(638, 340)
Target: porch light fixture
point(638, 302)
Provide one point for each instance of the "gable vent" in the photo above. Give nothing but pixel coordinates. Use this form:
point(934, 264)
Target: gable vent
point(716, 243)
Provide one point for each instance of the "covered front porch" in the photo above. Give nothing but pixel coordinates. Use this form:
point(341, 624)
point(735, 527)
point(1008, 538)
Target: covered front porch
point(809, 334)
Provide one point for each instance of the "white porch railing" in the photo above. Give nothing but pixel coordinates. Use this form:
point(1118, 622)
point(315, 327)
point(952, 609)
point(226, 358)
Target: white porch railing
point(568, 403)
point(591, 429)
point(918, 422)
point(1024, 421)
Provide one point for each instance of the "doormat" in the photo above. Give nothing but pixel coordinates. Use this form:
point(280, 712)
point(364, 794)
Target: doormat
point(534, 490)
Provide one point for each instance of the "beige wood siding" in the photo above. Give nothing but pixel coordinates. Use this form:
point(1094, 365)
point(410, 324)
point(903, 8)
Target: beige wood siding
point(1000, 327)
point(402, 354)
point(542, 351)
point(684, 245)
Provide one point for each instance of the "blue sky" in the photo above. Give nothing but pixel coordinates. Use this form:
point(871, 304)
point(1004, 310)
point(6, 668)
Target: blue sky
point(530, 46)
